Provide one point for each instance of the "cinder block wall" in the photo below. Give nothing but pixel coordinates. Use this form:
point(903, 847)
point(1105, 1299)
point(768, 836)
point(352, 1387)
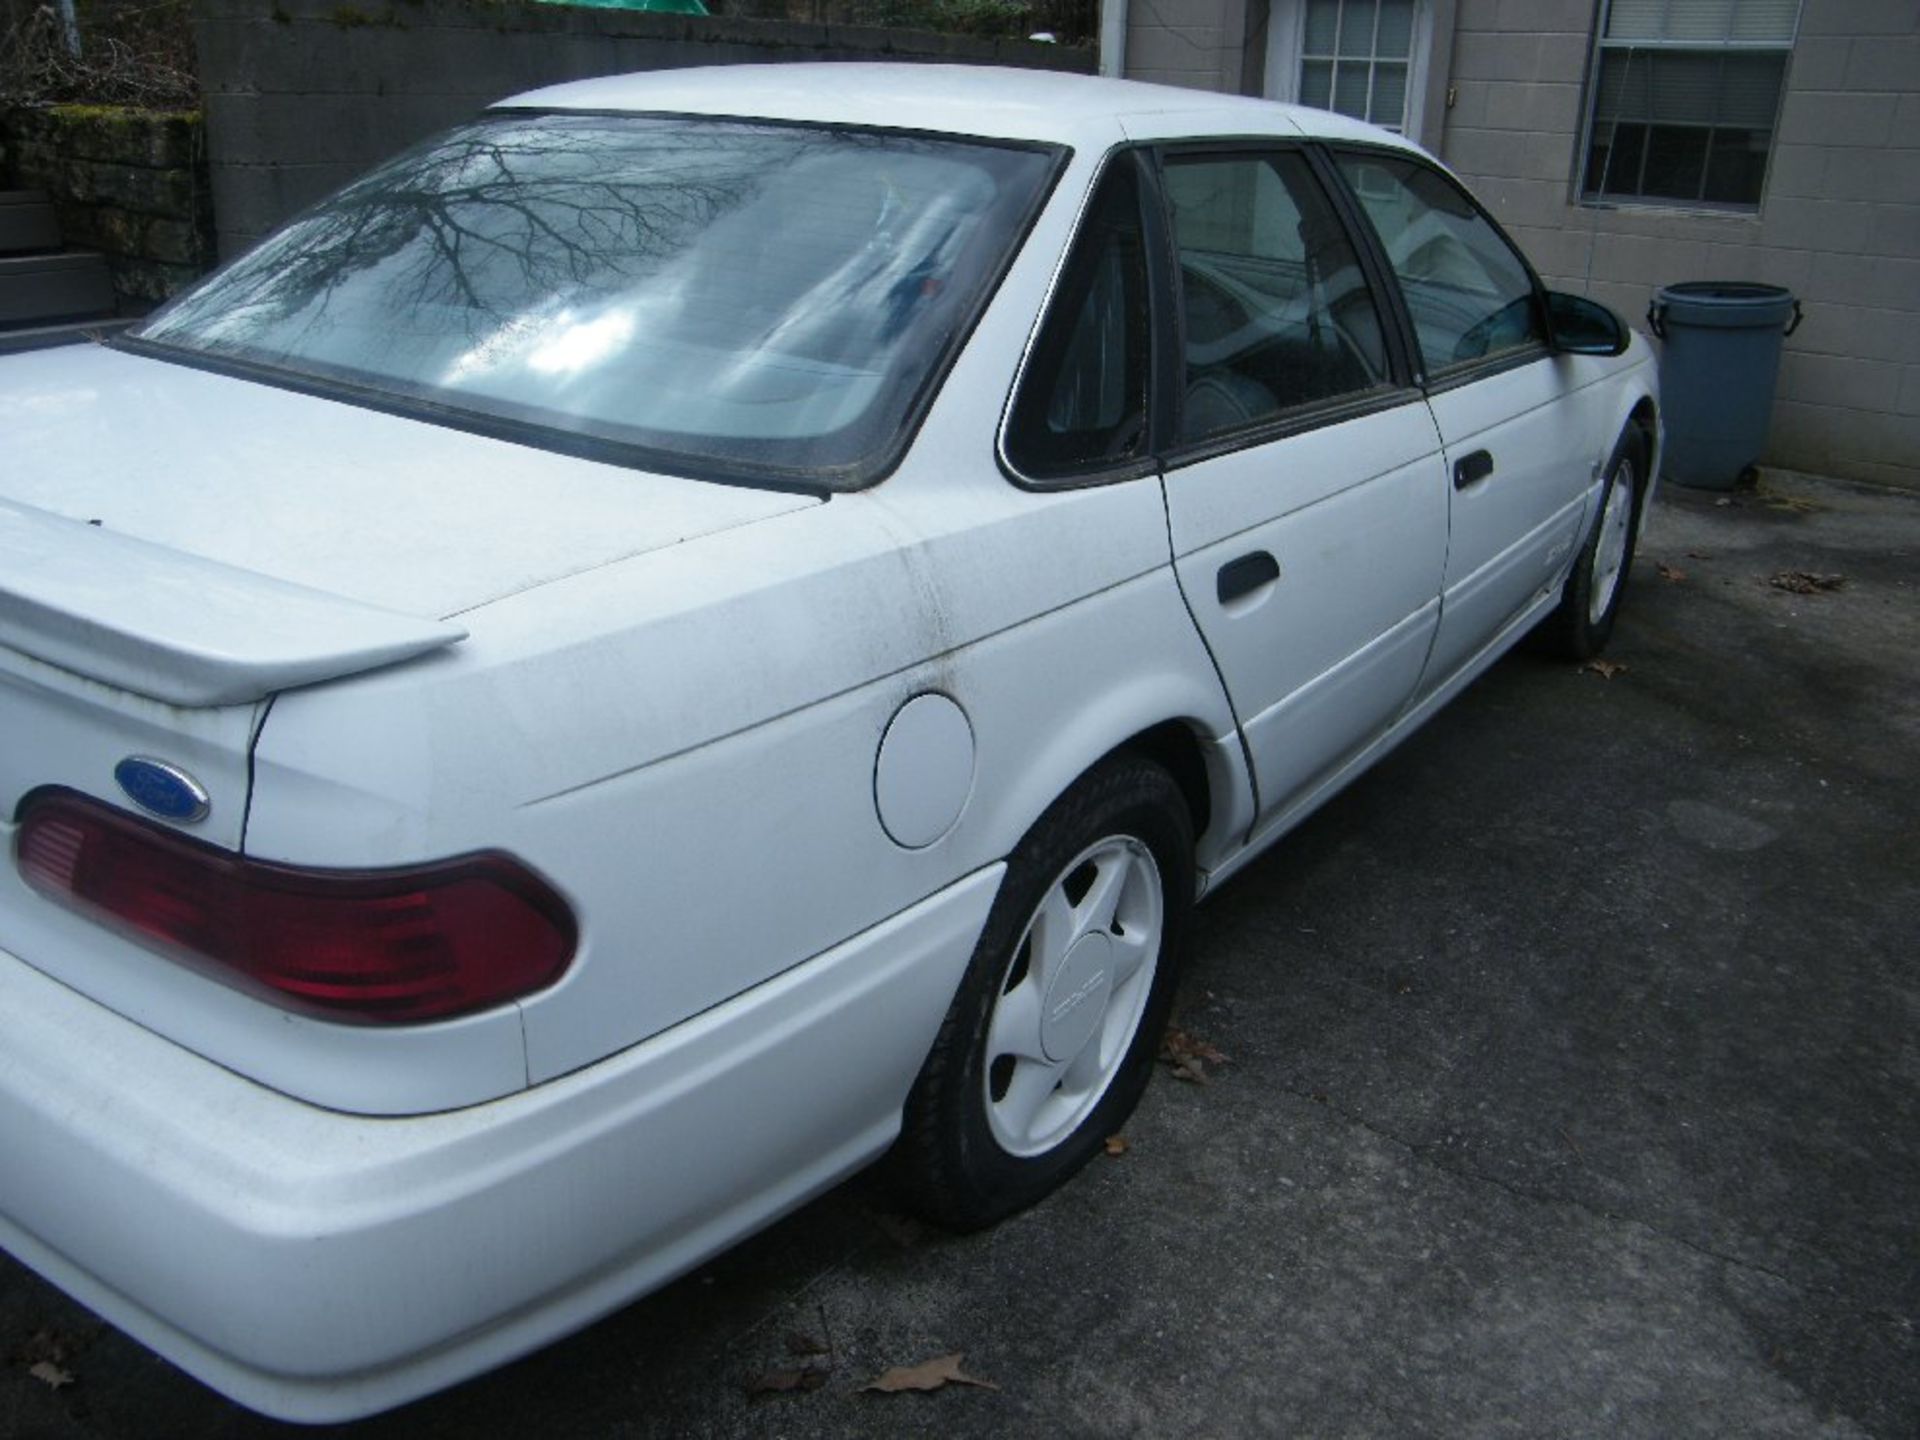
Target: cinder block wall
point(1839, 223)
point(1203, 44)
point(302, 95)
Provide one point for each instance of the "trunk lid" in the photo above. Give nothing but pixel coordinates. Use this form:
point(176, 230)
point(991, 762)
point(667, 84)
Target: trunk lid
point(176, 546)
point(394, 513)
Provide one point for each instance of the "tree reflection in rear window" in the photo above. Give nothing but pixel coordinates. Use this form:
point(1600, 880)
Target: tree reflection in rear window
point(724, 297)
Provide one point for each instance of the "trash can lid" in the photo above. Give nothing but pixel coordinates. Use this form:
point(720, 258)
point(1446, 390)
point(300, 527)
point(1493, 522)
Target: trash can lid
point(1733, 304)
point(1738, 292)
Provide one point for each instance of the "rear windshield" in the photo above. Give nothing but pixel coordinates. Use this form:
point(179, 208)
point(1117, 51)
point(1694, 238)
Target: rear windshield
point(728, 298)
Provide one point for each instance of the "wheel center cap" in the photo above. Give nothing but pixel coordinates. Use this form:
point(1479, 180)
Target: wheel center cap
point(1077, 998)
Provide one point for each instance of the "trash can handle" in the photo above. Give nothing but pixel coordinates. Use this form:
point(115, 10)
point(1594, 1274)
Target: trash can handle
point(1794, 323)
point(1657, 318)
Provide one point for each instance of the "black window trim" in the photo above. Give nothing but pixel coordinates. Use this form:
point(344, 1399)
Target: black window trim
point(1402, 387)
point(1395, 316)
point(1283, 425)
point(1460, 372)
point(1411, 382)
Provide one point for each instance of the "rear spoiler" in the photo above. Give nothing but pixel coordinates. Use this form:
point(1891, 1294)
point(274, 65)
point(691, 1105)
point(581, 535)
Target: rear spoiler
point(179, 628)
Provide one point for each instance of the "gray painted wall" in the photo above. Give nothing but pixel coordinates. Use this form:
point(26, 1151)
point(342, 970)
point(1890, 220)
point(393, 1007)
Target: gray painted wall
point(1203, 44)
point(1839, 223)
point(302, 95)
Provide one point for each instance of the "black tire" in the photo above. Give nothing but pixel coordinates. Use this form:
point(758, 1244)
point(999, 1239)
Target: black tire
point(966, 1157)
point(1579, 628)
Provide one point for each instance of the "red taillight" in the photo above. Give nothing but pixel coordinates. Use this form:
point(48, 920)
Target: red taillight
point(374, 946)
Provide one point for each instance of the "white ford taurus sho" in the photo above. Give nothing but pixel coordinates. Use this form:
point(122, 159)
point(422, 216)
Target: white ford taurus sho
point(703, 627)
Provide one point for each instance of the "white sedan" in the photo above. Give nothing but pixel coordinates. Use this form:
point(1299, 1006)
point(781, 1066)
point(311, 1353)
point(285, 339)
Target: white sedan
point(705, 627)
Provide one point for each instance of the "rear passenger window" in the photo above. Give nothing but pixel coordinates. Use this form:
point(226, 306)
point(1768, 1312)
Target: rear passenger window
point(1277, 312)
point(1082, 404)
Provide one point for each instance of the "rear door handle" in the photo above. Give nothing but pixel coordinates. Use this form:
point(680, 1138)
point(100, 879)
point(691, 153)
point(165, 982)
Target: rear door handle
point(1469, 468)
point(1246, 575)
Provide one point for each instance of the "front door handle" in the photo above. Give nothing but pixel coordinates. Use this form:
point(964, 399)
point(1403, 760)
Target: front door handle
point(1246, 575)
point(1469, 468)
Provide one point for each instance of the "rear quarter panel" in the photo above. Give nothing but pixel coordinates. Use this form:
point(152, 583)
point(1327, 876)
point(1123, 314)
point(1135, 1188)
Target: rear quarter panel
point(685, 742)
point(693, 764)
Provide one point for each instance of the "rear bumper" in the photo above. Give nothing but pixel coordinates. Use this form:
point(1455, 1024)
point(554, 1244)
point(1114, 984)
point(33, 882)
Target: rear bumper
point(319, 1266)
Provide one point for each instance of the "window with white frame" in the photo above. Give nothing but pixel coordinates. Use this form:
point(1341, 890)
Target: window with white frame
point(1683, 100)
point(1364, 58)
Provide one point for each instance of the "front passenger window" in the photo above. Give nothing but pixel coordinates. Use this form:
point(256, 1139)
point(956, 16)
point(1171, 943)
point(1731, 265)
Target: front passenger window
point(1276, 311)
point(1468, 292)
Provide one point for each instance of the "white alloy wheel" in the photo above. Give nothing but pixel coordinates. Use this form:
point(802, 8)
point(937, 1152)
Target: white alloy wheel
point(1611, 548)
point(1582, 622)
point(1071, 999)
point(1050, 1038)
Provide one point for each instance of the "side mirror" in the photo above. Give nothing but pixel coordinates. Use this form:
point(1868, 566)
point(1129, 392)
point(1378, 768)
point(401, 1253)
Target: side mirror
point(1580, 326)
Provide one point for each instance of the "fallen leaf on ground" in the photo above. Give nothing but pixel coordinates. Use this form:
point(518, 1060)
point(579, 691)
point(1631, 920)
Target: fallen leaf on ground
point(1670, 572)
point(1187, 1055)
point(903, 1230)
point(1118, 1145)
point(1178, 1047)
point(798, 1380)
point(1805, 582)
point(54, 1345)
point(932, 1374)
point(51, 1375)
point(1605, 669)
point(798, 1344)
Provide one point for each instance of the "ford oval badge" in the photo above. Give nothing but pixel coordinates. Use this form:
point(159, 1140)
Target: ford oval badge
point(162, 789)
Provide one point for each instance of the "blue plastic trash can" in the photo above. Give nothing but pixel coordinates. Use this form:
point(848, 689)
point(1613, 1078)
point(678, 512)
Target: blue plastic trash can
point(1720, 359)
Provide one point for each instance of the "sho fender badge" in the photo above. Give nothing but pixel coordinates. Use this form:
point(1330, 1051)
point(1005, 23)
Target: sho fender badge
point(162, 789)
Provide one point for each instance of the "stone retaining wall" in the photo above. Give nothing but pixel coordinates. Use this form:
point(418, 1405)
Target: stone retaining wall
point(131, 184)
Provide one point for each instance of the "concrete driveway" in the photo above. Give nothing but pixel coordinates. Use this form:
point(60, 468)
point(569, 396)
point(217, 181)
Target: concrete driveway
point(1573, 1065)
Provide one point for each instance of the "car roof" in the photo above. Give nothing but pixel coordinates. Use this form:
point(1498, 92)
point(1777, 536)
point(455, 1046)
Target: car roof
point(997, 102)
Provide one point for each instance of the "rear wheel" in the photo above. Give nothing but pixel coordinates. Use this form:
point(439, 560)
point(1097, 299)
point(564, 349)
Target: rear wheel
point(1580, 626)
point(1051, 1038)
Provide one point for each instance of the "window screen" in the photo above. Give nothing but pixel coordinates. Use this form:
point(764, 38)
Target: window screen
point(1684, 97)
